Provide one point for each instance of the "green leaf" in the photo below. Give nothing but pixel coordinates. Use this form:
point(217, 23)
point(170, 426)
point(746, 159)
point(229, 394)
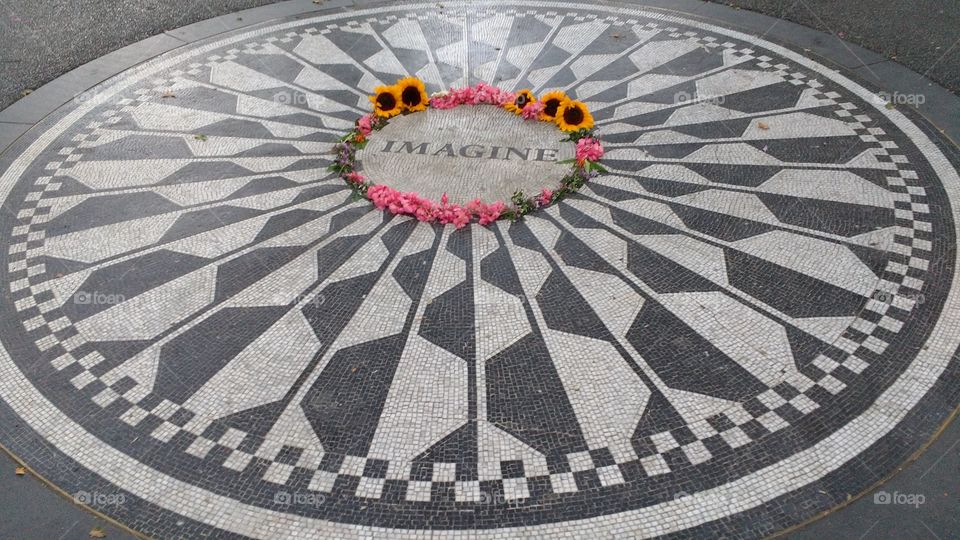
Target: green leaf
point(594, 166)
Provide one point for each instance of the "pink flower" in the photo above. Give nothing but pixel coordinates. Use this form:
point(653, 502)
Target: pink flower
point(355, 178)
point(425, 212)
point(453, 214)
point(412, 204)
point(464, 95)
point(490, 212)
point(444, 100)
point(506, 97)
point(461, 218)
point(590, 149)
point(532, 110)
point(474, 206)
point(485, 94)
point(365, 124)
point(382, 196)
point(545, 197)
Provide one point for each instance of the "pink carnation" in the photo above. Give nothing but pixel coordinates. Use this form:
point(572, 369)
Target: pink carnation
point(490, 212)
point(532, 110)
point(355, 178)
point(589, 148)
point(445, 100)
point(474, 206)
point(486, 94)
point(453, 214)
point(506, 97)
point(464, 95)
point(545, 197)
point(382, 196)
point(365, 124)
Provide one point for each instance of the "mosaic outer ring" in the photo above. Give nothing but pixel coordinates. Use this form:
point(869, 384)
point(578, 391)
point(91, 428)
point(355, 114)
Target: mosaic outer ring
point(891, 405)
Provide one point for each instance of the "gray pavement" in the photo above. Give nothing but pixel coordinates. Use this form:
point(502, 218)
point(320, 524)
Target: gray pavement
point(43, 39)
point(29, 509)
point(923, 35)
point(920, 502)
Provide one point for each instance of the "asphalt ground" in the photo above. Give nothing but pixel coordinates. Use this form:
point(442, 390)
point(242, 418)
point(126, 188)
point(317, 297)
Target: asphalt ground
point(923, 35)
point(43, 39)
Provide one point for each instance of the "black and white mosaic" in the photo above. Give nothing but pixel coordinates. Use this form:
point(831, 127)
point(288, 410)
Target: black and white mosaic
point(467, 153)
point(754, 302)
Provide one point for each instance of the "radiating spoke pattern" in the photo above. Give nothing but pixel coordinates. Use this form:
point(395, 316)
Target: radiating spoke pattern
point(191, 286)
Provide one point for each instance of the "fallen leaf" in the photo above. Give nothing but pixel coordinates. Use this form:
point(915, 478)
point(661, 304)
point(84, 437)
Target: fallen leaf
point(168, 94)
point(200, 137)
point(26, 92)
point(98, 532)
point(20, 471)
point(890, 105)
point(616, 36)
point(763, 125)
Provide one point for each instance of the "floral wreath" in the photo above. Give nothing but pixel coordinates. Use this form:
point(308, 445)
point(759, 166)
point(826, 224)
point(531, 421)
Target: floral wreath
point(408, 96)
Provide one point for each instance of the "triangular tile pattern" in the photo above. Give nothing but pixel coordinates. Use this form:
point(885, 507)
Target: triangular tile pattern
point(703, 201)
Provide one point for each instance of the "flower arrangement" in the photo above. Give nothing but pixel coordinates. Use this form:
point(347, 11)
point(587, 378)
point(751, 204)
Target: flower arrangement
point(408, 96)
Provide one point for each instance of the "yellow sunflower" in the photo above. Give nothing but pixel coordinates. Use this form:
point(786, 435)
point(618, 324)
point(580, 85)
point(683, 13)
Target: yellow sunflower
point(413, 95)
point(386, 101)
point(524, 97)
point(574, 116)
point(551, 104)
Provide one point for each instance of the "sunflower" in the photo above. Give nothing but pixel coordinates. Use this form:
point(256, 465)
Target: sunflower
point(524, 97)
point(574, 116)
point(551, 104)
point(413, 95)
point(386, 101)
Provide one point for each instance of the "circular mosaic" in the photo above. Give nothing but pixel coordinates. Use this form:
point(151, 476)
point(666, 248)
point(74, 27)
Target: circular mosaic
point(469, 152)
point(724, 335)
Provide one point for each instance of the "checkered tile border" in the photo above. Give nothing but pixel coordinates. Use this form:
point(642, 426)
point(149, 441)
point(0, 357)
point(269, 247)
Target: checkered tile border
point(506, 481)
